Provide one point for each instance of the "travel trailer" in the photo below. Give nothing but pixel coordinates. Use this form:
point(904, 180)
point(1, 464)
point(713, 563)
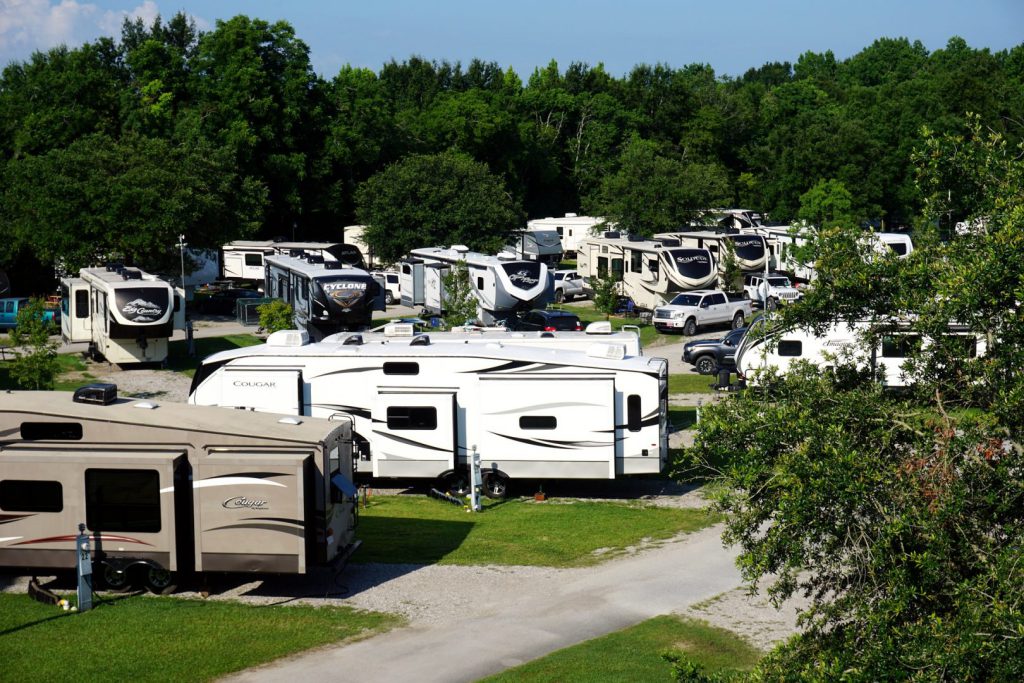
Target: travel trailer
point(166, 489)
point(502, 284)
point(599, 331)
point(538, 245)
point(410, 281)
point(896, 342)
point(326, 297)
point(353, 235)
point(244, 260)
point(124, 314)
point(423, 407)
point(570, 228)
point(750, 251)
point(649, 272)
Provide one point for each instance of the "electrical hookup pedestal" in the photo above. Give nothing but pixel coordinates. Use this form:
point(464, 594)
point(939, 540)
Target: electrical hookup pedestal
point(475, 481)
point(84, 555)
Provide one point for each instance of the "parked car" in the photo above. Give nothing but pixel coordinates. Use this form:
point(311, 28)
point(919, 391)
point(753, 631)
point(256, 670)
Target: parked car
point(546, 321)
point(568, 285)
point(392, 289)
point(223, 301)
point(9, 312)
point(708, 355)
point(780, 290)
point(691, 310)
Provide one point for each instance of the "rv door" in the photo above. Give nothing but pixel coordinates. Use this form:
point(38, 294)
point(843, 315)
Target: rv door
point(414, 432)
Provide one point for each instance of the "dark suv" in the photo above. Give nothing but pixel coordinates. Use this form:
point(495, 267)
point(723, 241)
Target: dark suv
point(547, 321)
point(707, 355)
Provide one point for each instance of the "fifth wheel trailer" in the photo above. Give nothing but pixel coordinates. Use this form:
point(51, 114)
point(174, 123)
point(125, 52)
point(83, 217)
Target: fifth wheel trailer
point(421, 408)
point(170, 488)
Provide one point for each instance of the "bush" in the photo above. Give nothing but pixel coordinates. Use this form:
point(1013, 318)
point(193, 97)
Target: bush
point(275, 316)
point(36, 365)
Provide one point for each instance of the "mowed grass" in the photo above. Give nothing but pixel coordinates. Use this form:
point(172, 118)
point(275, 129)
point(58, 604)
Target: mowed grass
point(140, 638)
point(70, 374)
point(634, 654)
point(692, 384)
point(554, 533)
point(178, 359)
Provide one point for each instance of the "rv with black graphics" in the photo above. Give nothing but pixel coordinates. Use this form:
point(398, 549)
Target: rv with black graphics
point(650, 272)
point(326, 297)
point(538, 245)
point(749, 251)
point(124, 314)
point(502, 284)
point(421, 407)
point(168, 489)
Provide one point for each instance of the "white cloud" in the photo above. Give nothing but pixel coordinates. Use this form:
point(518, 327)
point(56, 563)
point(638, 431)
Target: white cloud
point(112, 20)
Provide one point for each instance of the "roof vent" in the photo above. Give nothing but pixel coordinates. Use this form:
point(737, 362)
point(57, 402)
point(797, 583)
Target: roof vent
point(607, 351)
point(461, 248)
point(130, 274)
point(290, 421)
point(297, 253)
point(315, 258)
point(422, 340)
point(399, 330)
point(612, 234)
point(99, 394)
point(353, 340)
point(146, 405)
point(599, 327)
point(332, 265)
point(570, 215)
point(288, 338)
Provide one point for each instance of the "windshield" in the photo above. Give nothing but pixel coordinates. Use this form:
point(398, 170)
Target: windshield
point(899, 247)
point(142, 304)
point(779, 282)
point(748, 247)
point(691, 263)
point(348, 254)
point(686, 300)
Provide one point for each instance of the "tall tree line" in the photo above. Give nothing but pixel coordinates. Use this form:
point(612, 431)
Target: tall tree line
point(119, 146)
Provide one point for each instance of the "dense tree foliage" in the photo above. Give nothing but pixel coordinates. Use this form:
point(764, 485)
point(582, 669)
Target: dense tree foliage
point(648, 149)
point(900, 515)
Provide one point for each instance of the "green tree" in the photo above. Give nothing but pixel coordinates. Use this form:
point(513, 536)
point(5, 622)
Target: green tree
point(606, 293)
point(653, 192)
point(36, 365)
point(275, 316)
point(732, 275)
point(901, 516)
point(460, 304)
point(436, 199)
point(827, 203)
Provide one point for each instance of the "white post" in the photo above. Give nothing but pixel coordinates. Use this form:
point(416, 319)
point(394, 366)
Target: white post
point(475, 481)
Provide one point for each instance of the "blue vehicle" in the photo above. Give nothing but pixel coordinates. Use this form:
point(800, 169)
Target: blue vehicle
point(9, 312)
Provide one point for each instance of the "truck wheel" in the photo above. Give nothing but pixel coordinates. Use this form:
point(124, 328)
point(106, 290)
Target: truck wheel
point(771, 304)
point(690, 328)
point(705, 365)
point(559, 296)
point(495, 485)
point(737, 320)
point(389, 298)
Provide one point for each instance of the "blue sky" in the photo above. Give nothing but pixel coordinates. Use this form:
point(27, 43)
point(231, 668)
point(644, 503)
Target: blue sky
point(730, 36)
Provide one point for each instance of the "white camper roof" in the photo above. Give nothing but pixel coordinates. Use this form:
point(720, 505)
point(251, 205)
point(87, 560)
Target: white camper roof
point(312, 270)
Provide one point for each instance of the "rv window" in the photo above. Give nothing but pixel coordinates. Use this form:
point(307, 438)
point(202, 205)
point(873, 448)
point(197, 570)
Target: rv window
point(24, 495)
point(652, 265)
point(900, 345)
point(177, 303)
point(122, 500)
point(602, 266)
point(82, 303)
point(636, 261)
point(401, 368)
point(412, 417)
point(791, 347)
point(480, 283)
point(254, 260)
point(538, 422)
point(633, 413)
point(51, 431)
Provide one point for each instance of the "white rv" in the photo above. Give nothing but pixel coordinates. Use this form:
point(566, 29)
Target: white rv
point(570, 228)
point(354, 235)
point(841, 341)
point(245, 260)
point(170, 488)
point(751, 251)
point(124, 314)
point(326, 297)
point(421, 407)
point(538, 245)
point(599, 331)
point(649, 272)
point(502, 284)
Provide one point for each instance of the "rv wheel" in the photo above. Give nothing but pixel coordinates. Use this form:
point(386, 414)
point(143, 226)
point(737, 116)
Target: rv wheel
point(455, 483)
point(159, 580)
point(115, 578)
point(495, 485)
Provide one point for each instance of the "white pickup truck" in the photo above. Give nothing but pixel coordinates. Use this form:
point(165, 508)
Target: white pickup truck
point(780, 290)
point(568, 285)
point(691, 310)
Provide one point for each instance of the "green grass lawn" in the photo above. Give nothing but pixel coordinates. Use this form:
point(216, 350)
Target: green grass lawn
point(555, 533)
point(692, 384)
point(177, 352)
point(634, 654)
point(141, 638)
point(682, 417)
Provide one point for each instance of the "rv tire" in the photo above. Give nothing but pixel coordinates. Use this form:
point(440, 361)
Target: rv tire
point(690, 328)
point(455, 482)
point(115, 579)
point(495, 485)
point(159, 581)
point(737, 320)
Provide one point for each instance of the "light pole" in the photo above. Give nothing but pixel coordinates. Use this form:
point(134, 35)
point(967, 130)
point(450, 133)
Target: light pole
point(181, 249)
